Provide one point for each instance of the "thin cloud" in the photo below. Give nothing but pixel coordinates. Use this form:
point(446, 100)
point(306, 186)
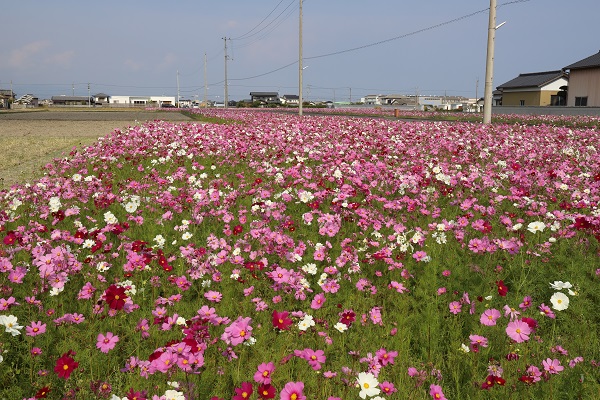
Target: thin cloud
point(63, 59)
point(24, 56)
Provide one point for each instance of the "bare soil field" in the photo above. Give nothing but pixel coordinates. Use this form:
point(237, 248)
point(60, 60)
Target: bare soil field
point(30, 139)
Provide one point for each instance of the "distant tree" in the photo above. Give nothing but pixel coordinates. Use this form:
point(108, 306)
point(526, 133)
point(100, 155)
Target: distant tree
point(562, 95)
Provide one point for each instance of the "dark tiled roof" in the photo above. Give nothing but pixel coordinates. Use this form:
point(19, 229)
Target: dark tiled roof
point(264, 94)
point(590, 62)
point(534, 79)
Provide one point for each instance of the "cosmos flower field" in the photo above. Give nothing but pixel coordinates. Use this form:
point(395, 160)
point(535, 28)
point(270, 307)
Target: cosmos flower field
point(321, 257)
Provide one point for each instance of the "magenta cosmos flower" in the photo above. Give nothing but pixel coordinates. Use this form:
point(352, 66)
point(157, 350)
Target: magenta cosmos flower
point(293, 391)
point(36, 328)
point(518, 331)
point(489, 317)
point(106, 342)
point(263, 373)
point(435, 391)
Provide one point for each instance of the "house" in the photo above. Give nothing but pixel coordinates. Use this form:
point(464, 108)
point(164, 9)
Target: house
point(373, 99)
point(398, 100)
point(290, 99)
point(534, 89)
point(265, 97)
point(141, 101)
point(63, 100)
point(584, 82)
point(101, 99)
point(26, 101)
point(7, 96)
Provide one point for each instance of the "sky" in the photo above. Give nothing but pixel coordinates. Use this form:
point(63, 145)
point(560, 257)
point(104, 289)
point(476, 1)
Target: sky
point(351, 48)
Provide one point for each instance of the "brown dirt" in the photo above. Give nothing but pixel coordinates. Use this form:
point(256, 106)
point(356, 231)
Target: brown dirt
point(30, 139)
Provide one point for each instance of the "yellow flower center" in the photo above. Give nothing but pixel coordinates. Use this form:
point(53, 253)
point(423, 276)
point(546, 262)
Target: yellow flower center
point(366, 385)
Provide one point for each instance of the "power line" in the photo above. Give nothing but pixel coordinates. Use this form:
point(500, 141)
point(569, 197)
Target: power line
point(385, 40)
point(264, 19)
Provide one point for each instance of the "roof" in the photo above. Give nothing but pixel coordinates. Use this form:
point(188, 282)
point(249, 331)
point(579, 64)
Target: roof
point(69, 98)
point(291, 97)
point(534, 79)
point(264, 94)
point(589, 62)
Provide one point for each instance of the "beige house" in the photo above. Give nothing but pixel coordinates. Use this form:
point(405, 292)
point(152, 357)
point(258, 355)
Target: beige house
point(584, 82)
point(534, 89)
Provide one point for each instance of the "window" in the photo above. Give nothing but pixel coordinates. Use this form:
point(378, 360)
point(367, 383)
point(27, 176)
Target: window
point(521, 102)
point(581, 101)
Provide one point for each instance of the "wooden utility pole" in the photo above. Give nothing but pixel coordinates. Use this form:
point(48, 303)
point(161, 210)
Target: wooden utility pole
point(226, 86)
point(205, 84)
point(300, 69)
point(489, 65)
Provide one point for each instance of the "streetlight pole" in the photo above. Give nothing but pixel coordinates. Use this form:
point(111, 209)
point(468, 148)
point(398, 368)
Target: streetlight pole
point(300, 69)
point(489, 65)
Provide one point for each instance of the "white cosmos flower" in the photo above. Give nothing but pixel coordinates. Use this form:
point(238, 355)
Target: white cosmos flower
point(368, 385)
point(340, 326)
point(11, 324)
point(559, 285)
point(306, 322)
point(535, 227)
point(559, 301)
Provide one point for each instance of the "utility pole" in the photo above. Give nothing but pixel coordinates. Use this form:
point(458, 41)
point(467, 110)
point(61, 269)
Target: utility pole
point(205, 87)
point(89, 99)
point(177, 88)
point(300, 69)
point(226, 86)
point(489, 65)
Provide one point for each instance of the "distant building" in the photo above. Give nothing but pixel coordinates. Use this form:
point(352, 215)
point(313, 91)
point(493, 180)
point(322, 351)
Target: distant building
point(72, 100)
point(141, 101)
point(290, 99)
point(7, 96)
point(584, 82)
point(534, 89)
point(265, 97)
point(101, 99)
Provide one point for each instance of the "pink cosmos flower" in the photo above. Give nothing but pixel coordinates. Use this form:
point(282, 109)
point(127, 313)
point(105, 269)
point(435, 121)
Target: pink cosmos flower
point(526, 303)
point(552, 366)
point(36, 328)
point(518, 331)
point(387, 387)
point(489, 317)
point(545, 310)
point(435, 391)
point(420, 255)
point(318, 301)
point(478, 341)
point(386, 357)
point(106, 342)
point(263, 373)
point(213, 296)
point(293, 391)
point(455, 307)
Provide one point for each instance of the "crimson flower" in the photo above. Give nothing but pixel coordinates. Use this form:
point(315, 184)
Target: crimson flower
point(281, 320)
point(115, 297)
point(266, 392)
point(244, 392)
point(502, 289)
point(65, 365)
point(10, 238)
point(131, 395)
point(42, 393)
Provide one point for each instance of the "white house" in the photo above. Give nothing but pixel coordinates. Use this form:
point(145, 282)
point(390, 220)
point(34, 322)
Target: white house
point(128, 101)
